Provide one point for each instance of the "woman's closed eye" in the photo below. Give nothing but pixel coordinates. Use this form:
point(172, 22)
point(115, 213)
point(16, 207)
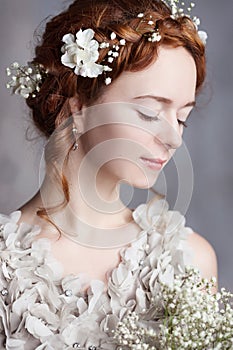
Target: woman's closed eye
point(148, 117)
point(156, 117)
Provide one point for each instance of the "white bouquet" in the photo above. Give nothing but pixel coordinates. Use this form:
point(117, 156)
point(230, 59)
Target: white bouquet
point(188, 316)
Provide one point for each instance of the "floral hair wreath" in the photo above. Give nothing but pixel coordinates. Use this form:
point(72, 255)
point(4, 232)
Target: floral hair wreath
point(80, 52)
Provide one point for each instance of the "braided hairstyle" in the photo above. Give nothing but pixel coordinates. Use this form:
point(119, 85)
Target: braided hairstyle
point(51, 106)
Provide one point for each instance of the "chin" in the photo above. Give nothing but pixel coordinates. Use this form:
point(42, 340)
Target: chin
point(134, 175)
point(144, 184)
point(140, 180)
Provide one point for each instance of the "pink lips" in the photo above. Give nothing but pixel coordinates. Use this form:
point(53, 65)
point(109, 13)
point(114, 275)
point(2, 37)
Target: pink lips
point(155, 164)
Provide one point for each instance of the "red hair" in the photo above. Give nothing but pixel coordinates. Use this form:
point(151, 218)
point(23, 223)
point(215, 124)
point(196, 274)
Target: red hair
point(51, 105)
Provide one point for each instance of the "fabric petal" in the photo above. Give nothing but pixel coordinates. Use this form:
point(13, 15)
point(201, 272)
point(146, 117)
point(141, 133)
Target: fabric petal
point(15, 344)
point(12, 217)
point(68, 39)
point(83, 38)
point(36, 327)
point(91, 70)
point(97, 288)
point(67, 60)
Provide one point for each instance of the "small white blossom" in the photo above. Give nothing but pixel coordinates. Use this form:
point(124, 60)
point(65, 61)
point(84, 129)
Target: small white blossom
point(107, 69)
point(108, 81)
point(103, 45)
point(122, 42)
point(113, 36)
point(196, 21)
point(155, 37)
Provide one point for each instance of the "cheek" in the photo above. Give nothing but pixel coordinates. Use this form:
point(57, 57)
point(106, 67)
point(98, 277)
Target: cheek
point(131, 172)
point(116, 149)
point(112, 135)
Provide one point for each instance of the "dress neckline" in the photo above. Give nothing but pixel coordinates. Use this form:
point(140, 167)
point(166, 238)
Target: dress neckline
point(148, 217)
point(57, 267)
point(84, 277)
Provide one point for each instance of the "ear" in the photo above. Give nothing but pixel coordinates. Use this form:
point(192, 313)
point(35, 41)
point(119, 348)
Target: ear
point(75, 105)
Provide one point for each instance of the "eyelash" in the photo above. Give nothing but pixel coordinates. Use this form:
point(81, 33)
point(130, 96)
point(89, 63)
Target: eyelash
point(182, 123)
point(147, 117)
point(150, 119)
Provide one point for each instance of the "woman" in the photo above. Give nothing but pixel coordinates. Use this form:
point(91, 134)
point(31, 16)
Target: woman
point(111, 87)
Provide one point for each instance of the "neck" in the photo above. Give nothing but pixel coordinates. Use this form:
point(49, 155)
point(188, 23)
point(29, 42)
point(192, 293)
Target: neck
point(94, 209)
point(92, 223)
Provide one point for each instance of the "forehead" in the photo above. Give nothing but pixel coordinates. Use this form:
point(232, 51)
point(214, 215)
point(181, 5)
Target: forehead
point(172, 75)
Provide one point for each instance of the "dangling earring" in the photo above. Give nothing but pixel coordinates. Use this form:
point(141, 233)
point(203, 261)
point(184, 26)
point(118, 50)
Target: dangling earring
point(74, 131)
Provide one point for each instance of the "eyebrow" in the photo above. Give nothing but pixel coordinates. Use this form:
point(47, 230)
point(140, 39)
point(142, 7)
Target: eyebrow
point(165, 100)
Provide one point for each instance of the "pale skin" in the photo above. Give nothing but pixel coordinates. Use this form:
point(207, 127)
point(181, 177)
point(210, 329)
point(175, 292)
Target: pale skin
point(112, 153)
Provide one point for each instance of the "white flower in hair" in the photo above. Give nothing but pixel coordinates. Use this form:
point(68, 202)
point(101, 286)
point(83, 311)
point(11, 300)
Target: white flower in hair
point(81, 53)
point(155, 36)
point(25, 80)
point(203, 36)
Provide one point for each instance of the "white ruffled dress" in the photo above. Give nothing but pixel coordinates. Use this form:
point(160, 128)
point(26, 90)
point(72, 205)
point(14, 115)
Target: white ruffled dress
point(40, 309)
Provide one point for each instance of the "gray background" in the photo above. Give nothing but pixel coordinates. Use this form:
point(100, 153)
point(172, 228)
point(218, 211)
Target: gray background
point(208, 136)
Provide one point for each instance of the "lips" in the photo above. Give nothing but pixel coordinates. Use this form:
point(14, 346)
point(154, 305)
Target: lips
point(155, 160)
point(153, 163)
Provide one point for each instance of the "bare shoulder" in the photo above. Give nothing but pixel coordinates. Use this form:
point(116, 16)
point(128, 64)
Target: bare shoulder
point(205, 258)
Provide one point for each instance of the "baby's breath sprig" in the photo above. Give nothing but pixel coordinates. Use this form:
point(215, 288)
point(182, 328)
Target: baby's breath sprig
point(25, 80)
point(132, 336)
point(193, 318)
point(178, 10)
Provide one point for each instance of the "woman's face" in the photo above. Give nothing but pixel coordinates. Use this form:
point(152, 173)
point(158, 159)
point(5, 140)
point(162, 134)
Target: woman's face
point(140, 116)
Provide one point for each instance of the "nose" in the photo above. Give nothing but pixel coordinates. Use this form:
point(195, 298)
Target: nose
point(169, 133)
